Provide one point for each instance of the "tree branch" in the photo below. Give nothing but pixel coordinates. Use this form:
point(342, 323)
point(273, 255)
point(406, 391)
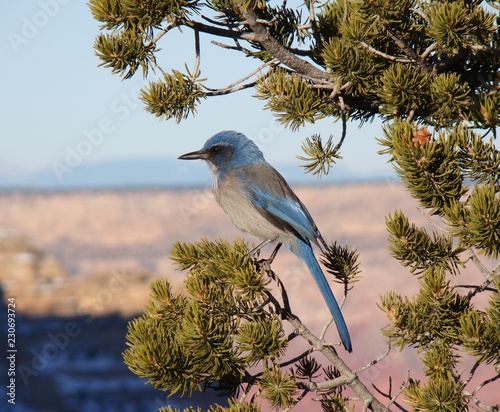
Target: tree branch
point(296, 358)
point(268, 42)
point(160, 34)
point(234, 86)
point(347, 376)
point(414, 57)
point(483, 269)
point(196, 68)
point(375, 361)
point(382, 54)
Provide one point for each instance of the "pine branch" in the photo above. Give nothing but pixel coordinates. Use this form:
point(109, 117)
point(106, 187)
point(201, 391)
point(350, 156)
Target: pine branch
point(347, 377)
point(414, 57)
point(262, 36)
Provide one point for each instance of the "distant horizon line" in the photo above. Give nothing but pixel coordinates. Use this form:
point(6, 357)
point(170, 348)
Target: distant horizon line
point(175, 187)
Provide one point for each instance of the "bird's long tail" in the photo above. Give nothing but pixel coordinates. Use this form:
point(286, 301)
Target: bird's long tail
point(302, 249)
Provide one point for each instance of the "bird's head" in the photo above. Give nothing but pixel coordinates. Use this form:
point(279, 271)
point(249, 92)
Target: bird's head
point(227, 150)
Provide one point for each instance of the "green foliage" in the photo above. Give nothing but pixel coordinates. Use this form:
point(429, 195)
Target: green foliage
point(449, 27)
point(211, 334)
point(415, 248)
point(175, 96)
point(234, 406)
point(482, 332)
point(428, 60)
point(261, 340)
point(111, 13)
point(428, 169)
point(342, 263)
point(443, 391)
point(434, 313)
point(139, 15)
point(483, 220)
point(124, 53)
point(319, 157)
point(454, 176)
point(478, 159)
point(354, 66)
point(449, 100)
point(278, 387)
point(436, 396)
point(291, 98)
point(404, 89)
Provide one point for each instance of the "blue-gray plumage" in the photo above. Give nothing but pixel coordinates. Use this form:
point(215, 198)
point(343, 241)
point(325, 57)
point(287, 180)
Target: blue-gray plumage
point(259, 201)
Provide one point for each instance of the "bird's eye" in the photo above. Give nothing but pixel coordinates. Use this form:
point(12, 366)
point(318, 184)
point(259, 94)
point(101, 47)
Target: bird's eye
point(216, 149)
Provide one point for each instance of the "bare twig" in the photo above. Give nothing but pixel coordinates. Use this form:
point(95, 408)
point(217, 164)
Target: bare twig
point(485, 382)
point(428, 51)
point(235, 86)
point(296, 358)
point(483, 269)
point(197, 60)
point(382, 54)
point(344, 125)
point(225, 23)
point(224, 91)
point(477, 288)
point(389, 393)
point(284, 295)
point(414, 57)
point(429, 219)
point(400, 391)
point(325, 328)
point(411, 115)
point(232, 33)
point(420, 13)
point(375, 361)
point(160, 34)
point(496, 269)
point(238, 47)
point(471, 373)
point(314, 26)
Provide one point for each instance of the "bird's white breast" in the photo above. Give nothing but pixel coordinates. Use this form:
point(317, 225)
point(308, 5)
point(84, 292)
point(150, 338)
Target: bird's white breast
point(231, 196)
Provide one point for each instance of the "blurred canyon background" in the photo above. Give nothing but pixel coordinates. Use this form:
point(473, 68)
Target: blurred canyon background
point(79, 262)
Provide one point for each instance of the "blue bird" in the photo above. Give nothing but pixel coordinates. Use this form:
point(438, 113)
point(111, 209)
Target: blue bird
point(260, 202)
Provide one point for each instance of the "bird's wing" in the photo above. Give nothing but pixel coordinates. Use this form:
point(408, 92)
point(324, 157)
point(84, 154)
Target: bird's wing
point(268, 191)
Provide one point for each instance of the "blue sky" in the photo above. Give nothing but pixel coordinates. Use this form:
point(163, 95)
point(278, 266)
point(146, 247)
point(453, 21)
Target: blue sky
point(56, 99)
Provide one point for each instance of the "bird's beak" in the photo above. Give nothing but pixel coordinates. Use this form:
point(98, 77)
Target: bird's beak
point(199, 154)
